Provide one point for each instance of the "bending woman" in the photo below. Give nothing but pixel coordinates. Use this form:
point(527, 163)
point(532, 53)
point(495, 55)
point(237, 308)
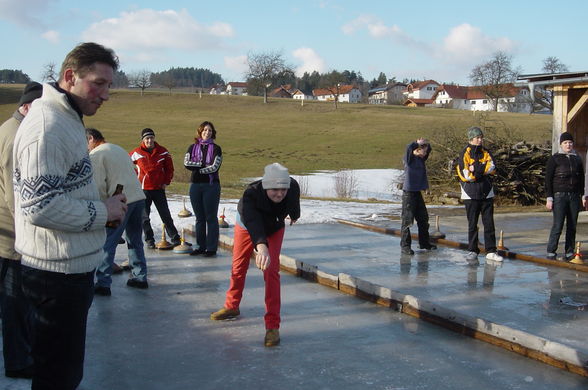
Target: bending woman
point(204, 159)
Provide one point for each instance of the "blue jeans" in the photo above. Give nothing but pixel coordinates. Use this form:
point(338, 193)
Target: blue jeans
point(61, 303)
point(132, 226)
point(566, 206)
point(17, 317)
point(205, 198)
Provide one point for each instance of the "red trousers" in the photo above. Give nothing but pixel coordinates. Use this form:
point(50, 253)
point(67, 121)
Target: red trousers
point(242, 250)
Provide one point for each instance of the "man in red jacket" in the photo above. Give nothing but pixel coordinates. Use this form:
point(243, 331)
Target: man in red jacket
point(155, 170)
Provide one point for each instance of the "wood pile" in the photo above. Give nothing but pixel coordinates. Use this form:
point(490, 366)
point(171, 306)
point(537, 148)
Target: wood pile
point(520, 173)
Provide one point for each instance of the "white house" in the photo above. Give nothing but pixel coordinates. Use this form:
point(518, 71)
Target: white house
point(236, 88)
point(515, 99)
point(421, 90)
point(347, 94)
point(299, 95)
point(388, 94)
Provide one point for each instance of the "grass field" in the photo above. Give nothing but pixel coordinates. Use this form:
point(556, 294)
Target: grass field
point(303, 138)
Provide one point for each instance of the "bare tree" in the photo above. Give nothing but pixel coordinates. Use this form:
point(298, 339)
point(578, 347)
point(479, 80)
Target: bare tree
point(169, 82)
point(543, 97)
point(332, 83)
point(495, 77)
point(264, 69)
point(140, 79)
point(49, 72)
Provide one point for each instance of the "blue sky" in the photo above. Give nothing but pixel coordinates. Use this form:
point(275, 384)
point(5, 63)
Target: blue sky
point(440, 40)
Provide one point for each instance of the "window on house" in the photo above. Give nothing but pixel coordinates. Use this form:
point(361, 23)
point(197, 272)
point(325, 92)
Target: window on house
point(485, 101)
point(473, 102)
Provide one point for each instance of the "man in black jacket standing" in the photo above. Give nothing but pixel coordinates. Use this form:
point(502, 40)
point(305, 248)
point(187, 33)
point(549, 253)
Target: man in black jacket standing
point(564, 185)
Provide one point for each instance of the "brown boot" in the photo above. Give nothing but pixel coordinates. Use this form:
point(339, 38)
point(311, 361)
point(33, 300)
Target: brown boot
point(272, 337)
point(225, 314)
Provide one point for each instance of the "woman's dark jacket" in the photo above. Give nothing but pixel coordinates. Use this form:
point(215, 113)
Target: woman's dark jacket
point(261, 216)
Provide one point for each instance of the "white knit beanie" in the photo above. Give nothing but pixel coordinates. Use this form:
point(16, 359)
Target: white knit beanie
point(275, 176)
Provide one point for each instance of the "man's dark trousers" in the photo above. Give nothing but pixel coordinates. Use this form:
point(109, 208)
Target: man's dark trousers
point(158, 198)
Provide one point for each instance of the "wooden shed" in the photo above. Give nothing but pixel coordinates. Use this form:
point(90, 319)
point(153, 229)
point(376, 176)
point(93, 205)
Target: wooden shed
point(570, 111)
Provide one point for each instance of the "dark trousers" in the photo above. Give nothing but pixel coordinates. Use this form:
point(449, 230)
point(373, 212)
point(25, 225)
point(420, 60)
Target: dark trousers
point(205, 198)
point(566, 206)
point(159, 199)
point(413, 208)
point(475, 207)
point(17, 317)
point(61, 303)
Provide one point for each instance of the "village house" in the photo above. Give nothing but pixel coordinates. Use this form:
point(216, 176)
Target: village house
point(217, 89)
point(347, 94)
point(515, 99)
point(388, 94)
point(236, 88)
point(421, 90)
point(299, 95)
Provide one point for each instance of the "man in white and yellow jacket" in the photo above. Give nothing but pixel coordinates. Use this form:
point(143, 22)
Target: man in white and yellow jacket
point(474, 169)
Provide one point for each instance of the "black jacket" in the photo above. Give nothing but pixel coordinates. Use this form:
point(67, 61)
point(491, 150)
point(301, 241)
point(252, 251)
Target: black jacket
point(261, 216)
point(564, 173)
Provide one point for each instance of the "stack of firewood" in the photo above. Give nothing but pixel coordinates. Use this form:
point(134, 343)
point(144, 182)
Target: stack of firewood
point(520, 172)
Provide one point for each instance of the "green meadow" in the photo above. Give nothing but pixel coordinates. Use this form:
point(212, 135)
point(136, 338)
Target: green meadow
point(305, 138)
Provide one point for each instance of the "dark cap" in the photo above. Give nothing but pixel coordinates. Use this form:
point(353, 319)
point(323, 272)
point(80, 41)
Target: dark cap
point(147, 132)
point(32, 91)
point(565, 137)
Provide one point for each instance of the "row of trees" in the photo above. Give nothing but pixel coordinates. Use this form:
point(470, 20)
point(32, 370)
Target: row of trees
point(10, 76)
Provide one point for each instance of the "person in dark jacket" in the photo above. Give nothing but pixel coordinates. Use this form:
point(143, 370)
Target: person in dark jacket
point(564, 186)
point(474, 168)
point(204, 159)
point(260, 226)
point(413, 205)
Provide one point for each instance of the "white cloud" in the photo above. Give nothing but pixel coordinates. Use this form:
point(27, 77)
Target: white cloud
point(52, 36)
point(311, 61)
point(237, 64)
point(466, 43)
point(150, 30)
point(28, 13)
point(377, 29)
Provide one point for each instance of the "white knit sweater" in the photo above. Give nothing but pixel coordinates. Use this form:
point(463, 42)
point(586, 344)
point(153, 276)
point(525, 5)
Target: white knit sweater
point(112, 165)
point(59, 217)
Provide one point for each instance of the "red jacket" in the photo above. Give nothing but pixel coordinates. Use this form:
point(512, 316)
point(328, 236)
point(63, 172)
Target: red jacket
point(153, 168)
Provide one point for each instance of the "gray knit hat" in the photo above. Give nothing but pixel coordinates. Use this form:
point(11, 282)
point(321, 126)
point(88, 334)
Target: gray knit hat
point(474, 132)
point(275, 176)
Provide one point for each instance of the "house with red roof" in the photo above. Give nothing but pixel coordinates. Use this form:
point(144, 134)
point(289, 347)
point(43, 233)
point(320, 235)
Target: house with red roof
point(236, 88)
point(347, 94)
point(514, 99)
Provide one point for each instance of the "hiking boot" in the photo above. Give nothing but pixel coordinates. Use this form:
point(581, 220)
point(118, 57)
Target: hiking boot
point(569, 256)
point(430, 247)
point(136, 283)
point(101, 290)
point(150, 244)
point(197, 252)
point(551, 256)
point(407, 251)
point(494, 256)
point(116, 269)
point(225, 314)
point(272, 337)
point(210, 254)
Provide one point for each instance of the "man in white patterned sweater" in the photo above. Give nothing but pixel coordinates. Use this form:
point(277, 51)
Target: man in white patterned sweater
point(59, 218)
